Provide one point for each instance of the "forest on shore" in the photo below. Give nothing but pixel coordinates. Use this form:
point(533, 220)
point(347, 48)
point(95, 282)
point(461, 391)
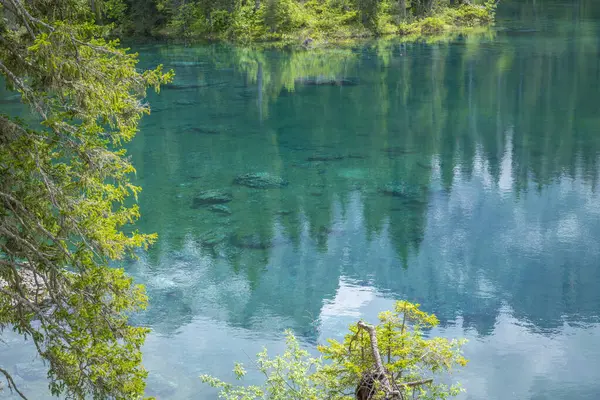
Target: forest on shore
point(292, 21)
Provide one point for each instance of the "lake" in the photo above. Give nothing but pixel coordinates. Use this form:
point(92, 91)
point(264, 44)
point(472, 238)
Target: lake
point(462, 175)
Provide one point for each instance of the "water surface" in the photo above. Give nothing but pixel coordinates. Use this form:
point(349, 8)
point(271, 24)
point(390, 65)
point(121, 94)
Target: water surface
point(491, 146)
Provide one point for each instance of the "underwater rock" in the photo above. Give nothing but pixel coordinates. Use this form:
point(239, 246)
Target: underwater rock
point(260, 180)
point(154, 110)
point(325, 157)
point(179, 86)
point(220, 209)
point(323, 231)
point(424, 165)
point(415, 203)
point(307, 164)
point(316, 189)
point(409, 203)
point(519, 31)
point(213, 196)
point(397, 151)
point(187, 63)
point(322, 81)
point(202, 131)
point(296, 148)
point(191, 86)
point(212, 238)
point(358, 156)
point(223, 115)
point(247, 94)
point(184, 102)
point(401, 190)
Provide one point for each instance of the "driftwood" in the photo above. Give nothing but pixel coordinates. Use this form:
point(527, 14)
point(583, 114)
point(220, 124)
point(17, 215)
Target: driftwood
point(367, 388)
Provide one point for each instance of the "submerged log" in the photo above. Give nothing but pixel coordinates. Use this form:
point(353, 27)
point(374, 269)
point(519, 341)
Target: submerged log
point(260, 180)
point(324, 81)
point(210, 197)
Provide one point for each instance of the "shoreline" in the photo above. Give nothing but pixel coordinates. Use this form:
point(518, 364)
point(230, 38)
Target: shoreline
point(443, 25)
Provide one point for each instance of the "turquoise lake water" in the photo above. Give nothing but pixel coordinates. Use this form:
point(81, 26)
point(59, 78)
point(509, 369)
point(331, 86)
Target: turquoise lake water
point(491, 145)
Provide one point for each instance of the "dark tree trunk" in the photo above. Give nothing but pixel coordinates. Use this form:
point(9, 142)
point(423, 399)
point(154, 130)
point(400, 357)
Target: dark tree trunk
point(366, 388)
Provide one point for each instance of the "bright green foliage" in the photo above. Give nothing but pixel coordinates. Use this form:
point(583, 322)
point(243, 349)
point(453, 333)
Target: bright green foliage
point(64, 193)
point(188, 22)
point(287, 377)
point(461, 18)
point(293, 21)
point(411, 361)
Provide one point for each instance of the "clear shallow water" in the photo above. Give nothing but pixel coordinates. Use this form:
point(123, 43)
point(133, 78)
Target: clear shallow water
point(494, 144)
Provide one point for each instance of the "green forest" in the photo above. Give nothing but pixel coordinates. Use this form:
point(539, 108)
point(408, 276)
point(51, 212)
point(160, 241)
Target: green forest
point(295, 21)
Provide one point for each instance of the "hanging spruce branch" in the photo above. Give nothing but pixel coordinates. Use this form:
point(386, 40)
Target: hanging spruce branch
point(63, 186)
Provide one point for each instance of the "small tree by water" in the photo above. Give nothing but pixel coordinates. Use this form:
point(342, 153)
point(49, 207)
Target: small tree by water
point(392, 360)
